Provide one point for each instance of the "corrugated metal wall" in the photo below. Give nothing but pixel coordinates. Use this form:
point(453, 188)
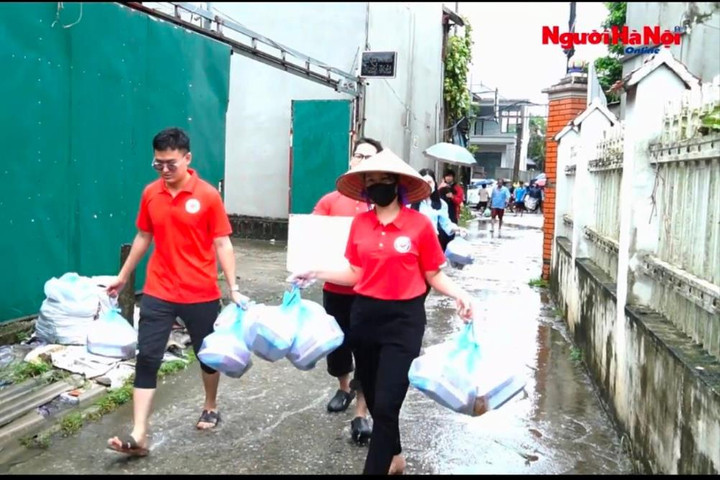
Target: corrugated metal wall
point(79, 108)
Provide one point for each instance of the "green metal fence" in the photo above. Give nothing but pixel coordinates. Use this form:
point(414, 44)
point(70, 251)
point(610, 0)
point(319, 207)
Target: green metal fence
point(79, 108)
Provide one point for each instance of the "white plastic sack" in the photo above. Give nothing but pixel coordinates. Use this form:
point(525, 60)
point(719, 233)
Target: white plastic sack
point(460, 377)
point(318, 335)
point(112, 336)
point(459, 251)
point(226, 350)
point(530, 202)
point(274, 328)
point(72, 303)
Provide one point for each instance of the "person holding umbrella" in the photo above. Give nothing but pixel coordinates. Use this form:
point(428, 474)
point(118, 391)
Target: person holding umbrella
point(392, 252)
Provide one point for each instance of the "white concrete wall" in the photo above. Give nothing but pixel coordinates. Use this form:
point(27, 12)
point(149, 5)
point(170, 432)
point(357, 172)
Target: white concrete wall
point(699, 51)
point(259, 112)
point(403, 112)
point(400, 112)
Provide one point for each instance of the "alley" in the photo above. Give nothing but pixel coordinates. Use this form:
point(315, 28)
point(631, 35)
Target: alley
point(274, 418)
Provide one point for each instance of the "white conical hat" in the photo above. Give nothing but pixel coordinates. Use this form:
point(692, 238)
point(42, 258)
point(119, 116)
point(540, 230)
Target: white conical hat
point(352, 183)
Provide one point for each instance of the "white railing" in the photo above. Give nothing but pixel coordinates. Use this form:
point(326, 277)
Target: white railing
point(683, 116)
point(606, 169)
point(686, 198)
point(687, 185)
point(682, 268)
point(609, 150)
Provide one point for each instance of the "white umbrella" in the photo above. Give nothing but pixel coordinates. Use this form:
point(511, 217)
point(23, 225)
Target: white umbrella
point(451, 153)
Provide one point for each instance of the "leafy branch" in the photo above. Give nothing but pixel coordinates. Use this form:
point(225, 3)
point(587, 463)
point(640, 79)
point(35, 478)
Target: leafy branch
point(458, 56)
point(609, 68)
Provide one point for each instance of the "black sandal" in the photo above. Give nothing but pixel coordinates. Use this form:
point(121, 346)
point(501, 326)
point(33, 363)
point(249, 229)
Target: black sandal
point(129, 446)
point(208, 417)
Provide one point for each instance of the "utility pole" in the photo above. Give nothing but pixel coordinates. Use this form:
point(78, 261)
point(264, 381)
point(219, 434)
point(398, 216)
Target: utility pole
point(518, 144)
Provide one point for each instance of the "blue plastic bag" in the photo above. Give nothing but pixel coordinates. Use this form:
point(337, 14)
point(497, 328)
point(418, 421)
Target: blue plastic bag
point(461, 376)
point(112, 336)
point(318, 334)
point(274, 328)
point(225, 350)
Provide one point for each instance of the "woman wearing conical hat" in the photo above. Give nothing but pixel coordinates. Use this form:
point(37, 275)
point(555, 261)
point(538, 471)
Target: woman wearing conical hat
point(393, 251)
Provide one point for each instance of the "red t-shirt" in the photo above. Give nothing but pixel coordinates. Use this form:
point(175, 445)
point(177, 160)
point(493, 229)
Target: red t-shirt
point(458, 199)
point(183, 265)
point(394, 258)
point(335, 204)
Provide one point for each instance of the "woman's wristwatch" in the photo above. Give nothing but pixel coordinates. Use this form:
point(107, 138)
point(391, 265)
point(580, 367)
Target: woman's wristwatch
point(235, 288)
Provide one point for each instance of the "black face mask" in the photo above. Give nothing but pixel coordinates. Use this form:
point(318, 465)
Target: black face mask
point(382, 194)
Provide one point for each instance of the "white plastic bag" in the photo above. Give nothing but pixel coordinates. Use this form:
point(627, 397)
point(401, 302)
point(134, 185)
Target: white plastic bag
point(112, 336)
point(273, 329)
point(71, 305)
point(226, 350)
point(318, 335)
point(459, 376)
point(459, 251)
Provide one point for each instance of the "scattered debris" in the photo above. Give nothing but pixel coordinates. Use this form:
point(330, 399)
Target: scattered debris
point(77, 359)
point(43, 353)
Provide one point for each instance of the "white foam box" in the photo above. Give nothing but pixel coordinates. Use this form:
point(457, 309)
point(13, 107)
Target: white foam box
point(317, 242)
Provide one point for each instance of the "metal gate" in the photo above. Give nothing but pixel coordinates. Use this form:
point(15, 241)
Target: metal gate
point(319, 149)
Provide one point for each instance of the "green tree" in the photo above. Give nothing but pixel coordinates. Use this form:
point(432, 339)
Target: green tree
point(458, 55)
point(536, 146)
point(609, 68)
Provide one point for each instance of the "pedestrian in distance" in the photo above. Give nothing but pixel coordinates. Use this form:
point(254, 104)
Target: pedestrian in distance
point(185, 218)
point(498, 202)
point(452, 193)
point(520, 193)
point(393, 252)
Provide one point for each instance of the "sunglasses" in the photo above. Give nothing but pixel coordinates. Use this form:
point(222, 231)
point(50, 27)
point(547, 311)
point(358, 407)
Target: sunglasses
point(160, 166)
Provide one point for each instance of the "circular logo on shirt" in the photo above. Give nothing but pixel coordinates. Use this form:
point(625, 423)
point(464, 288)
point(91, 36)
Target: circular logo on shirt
point(402, 244)
point(192, 206)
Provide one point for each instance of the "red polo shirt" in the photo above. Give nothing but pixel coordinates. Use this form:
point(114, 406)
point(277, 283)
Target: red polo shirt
point(395, 257)
point(183, 266)
point(335, 204)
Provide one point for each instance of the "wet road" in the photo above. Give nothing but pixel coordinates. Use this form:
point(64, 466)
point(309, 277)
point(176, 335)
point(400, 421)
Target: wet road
point(274, 418)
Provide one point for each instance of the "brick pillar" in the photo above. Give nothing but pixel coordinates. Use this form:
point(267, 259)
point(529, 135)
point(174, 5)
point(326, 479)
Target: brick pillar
point(566, 100)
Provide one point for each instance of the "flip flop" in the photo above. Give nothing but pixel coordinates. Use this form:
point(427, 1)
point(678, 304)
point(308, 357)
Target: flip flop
point(208, 417)
point(129, 446)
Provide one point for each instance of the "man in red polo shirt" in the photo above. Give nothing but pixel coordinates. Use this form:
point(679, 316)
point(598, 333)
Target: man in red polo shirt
point(338, 300)
point(186, 219)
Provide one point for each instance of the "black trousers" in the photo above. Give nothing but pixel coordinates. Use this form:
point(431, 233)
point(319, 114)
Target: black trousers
point(156, 321)
point(444, 238)
point(340, 360)
point(386, 336)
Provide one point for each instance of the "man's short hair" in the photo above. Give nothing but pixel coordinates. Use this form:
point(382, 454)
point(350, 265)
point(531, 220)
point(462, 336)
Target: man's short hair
point(370, 141)
point(449, 172)
point(171, 139)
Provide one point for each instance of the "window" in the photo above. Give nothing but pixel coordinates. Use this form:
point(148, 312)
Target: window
point(510, 121)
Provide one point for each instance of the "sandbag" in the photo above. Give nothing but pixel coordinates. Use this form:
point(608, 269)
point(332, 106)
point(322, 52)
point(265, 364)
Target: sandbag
point(112, 336)
point(71, 306)
point(318, 334)
point(226, 350)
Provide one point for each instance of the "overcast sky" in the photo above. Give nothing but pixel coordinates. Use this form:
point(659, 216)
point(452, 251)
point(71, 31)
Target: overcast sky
point(508, 52)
